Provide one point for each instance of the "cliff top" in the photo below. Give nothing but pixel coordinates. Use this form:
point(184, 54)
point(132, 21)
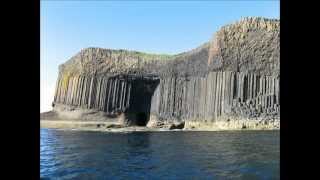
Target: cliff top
point(252, 43)
point(122, 52)
point(253, 23)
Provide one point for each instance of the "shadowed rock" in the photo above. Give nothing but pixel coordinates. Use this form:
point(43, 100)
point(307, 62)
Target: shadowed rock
point(177, 126)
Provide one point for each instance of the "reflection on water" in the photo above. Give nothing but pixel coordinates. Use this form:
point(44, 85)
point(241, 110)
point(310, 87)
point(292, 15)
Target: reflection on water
point(159, 155)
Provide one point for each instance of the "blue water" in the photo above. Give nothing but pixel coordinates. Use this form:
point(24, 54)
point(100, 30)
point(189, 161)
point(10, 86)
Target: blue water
point(159, 155)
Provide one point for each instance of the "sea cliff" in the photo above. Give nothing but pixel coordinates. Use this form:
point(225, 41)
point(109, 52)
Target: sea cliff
point(230, 82)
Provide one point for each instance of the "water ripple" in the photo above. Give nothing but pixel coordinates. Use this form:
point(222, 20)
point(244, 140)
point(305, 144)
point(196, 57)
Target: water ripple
point(154, 155)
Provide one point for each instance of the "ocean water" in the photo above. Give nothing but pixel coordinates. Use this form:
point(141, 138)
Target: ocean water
point(66, 154)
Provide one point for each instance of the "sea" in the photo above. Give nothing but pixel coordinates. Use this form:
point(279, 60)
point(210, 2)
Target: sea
point(70, 154)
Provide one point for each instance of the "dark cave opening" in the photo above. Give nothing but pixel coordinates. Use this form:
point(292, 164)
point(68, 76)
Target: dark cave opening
point(140, 101)
point(142, 119)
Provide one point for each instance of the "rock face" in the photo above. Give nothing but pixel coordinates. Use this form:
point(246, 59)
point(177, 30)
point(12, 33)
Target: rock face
point(230, 82)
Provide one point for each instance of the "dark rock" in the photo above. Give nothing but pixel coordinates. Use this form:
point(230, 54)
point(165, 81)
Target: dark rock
point(177, 126)
point(100, 125)
point(115, 126)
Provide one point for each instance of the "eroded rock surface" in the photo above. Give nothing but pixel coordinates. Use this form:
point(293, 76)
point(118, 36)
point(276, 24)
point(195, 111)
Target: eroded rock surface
point(234, 77)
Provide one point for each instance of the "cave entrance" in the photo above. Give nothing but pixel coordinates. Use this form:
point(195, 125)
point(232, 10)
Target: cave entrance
point(142, 119)
point(142, 91)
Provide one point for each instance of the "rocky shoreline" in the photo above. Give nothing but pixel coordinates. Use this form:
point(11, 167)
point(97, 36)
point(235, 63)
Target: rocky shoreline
point(104, 126)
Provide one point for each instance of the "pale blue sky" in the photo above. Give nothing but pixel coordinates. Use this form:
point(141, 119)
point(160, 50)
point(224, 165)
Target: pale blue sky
point(149, 26)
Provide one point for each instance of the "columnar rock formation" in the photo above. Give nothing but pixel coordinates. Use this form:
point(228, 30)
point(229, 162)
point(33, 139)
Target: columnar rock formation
point(232, 81)
point(218, 96)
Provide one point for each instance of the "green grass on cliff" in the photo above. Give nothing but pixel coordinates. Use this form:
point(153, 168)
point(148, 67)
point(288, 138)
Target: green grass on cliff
point(159, 57)
point(130, 53)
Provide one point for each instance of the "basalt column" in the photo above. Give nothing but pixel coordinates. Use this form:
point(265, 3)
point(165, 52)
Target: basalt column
point(102, 93)
point(217, 96)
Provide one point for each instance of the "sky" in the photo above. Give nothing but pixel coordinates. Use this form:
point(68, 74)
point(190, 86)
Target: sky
point(150, 26)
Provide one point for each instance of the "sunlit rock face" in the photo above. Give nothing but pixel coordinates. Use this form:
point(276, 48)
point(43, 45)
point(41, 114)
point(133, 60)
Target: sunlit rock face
point(232, 82)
